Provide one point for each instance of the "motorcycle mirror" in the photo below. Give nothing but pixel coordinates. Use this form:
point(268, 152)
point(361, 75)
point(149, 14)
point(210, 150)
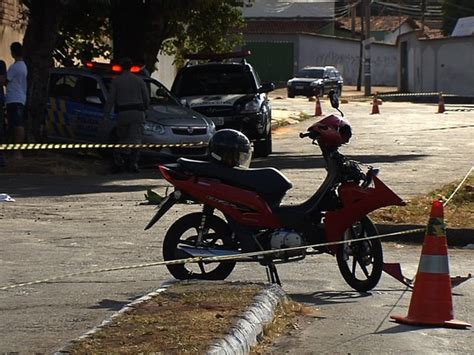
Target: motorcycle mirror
point(334, 99)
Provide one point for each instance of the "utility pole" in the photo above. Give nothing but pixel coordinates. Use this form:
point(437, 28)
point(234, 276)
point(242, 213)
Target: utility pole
point(367, 78)
point(423, 10)
point(361, 48)
point(353, 17)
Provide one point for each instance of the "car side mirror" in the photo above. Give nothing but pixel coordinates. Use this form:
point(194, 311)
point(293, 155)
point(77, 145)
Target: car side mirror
point(334, 99)
point(93, 100)
point(184, 102)
point(267, 87)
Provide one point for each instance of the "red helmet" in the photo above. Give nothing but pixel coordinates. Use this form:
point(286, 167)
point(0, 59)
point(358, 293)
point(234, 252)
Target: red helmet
point(333, 131)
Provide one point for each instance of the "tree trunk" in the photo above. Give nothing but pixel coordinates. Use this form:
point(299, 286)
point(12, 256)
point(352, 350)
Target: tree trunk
point(139, 29)
point(127, 19)
point(39, 42)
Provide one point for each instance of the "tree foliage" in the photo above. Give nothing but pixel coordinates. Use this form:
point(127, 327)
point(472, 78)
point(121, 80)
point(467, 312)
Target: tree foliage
point(66, 29)
point(141, 29)
point(211, 26)
point(453, 10)
point(84, 31)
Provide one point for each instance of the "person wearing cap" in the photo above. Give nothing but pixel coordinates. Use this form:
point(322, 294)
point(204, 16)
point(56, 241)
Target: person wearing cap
point(129, 95)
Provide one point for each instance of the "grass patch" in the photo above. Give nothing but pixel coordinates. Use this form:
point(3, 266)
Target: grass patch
point(459, 213)
point(187, 317)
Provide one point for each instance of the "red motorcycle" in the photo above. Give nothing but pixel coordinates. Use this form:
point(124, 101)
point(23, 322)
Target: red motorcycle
point(252, 218)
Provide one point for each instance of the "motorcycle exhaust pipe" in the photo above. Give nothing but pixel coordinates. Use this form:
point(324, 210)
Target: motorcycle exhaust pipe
point(206, 252)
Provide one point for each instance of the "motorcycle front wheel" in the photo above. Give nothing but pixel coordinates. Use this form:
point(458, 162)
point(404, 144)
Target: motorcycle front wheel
point(361, 262)
point(184, 232)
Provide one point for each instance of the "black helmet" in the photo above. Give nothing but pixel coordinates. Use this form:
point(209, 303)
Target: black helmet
point(230, 147)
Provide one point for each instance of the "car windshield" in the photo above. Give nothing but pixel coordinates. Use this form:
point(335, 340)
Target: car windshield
point(215, 80)
point(159, 95)
point(310, 73)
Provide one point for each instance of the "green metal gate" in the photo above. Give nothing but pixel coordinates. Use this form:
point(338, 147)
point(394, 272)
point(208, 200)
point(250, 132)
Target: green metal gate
point(273, 61)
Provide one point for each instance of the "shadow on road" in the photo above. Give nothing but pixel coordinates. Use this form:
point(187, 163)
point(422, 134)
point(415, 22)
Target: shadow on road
point(45, 185)
point(110, 305)
point(281, 160)
point(328, 297)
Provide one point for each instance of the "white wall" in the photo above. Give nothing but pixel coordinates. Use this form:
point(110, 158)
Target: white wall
point(344, 55)
point(166, 70)
point(445, 65)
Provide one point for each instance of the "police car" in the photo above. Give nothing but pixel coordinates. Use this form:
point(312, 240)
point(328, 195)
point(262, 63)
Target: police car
point(230, 93)
point(75, 112)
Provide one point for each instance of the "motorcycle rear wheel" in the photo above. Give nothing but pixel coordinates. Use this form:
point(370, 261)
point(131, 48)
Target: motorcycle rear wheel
point(184, 231)
point(361, 262)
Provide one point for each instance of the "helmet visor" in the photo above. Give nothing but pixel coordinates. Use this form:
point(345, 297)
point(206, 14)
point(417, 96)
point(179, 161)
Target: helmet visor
point(244, 159)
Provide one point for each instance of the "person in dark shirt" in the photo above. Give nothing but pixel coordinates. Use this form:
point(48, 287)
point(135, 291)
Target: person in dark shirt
point(3, 80)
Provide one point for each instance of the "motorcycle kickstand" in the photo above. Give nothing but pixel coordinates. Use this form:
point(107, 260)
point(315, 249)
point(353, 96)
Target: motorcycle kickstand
point(272, 274)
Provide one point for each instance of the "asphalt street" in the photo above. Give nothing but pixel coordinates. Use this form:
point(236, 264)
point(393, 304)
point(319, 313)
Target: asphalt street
point(62, 225)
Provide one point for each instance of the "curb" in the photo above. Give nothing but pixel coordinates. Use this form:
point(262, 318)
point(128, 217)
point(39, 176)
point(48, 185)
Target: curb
point(242, 335)
point(249, 328)
point(457, 237)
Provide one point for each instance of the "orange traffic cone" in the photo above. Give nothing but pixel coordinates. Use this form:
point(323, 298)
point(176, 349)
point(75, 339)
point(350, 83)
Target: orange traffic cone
point(441, 103)
point(431, 302)
point(375, 105)
point(317, 110)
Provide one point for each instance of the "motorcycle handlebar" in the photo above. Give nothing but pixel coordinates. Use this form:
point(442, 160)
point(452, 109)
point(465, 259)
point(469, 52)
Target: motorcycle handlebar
point(311, 134)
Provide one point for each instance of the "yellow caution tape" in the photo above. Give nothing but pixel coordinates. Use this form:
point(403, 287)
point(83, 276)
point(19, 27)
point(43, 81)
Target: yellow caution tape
point(45, 146)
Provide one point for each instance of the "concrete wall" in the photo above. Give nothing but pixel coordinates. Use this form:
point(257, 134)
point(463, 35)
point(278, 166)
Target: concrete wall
point(11, 29)
point(445, 65)
point(317, 50)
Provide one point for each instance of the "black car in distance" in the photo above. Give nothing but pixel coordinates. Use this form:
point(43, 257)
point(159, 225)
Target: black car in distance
point(311, 81)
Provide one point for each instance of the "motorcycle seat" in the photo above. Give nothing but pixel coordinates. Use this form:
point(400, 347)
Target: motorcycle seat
point(266, 181)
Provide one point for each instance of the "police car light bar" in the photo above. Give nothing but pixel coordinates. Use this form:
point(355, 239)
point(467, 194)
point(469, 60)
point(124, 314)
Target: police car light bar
point(116, 68)
point(217, 56)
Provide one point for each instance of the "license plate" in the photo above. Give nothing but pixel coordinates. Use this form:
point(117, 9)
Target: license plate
point(218, 121)
point(299, 87)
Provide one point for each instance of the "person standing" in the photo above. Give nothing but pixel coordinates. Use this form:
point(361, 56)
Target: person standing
point(129, 95)
point(3, 80)
point(15, 97)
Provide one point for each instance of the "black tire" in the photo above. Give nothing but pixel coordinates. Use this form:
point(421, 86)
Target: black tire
point(291, 94)
point(339, 91)
point(218, 234)
point(361, 263)
point(263, 146)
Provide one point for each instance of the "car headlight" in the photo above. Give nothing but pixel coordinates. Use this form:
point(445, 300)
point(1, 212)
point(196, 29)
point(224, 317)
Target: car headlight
point(316, 83)
point(151, 127)
point(288, 83)
point(251, 107)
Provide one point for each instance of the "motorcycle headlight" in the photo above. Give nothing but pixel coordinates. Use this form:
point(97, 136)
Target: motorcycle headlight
point(316, 83)
point(151, 127)
point(250, 107)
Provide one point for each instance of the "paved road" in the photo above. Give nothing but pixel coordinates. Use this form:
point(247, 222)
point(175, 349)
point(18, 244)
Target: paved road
point(63, 225)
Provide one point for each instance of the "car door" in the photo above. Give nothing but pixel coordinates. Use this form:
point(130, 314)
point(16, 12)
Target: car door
point(61, 117)
point(90, 125)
